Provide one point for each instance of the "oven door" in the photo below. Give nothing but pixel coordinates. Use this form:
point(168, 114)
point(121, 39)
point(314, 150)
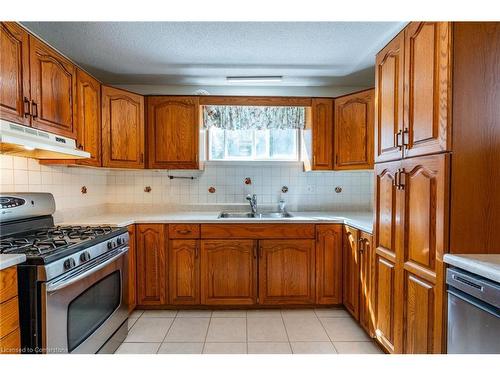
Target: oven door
point(81, 310)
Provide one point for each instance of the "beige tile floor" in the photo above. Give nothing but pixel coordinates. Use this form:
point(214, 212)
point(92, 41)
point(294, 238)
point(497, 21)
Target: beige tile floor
point(319, 331)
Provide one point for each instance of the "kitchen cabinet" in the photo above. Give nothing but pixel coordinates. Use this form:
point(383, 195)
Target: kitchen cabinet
point(229, 272)
point(286, 272)
point(132, 269)
point(9, 312)
point(53, 89)
point(15, 97)
point(88, 109)
point(184, 272)
point(151, 264)
point(366, 299)
point(350, 272)
point(122, 128)
point(353, 132)
point(329, 264)
point(322, 133)
point(173, 132)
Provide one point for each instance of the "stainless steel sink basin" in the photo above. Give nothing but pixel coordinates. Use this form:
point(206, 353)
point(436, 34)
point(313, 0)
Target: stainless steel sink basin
point(250, 215)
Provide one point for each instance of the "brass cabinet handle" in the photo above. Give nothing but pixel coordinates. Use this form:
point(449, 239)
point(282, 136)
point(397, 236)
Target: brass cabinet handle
point(402, 178)
point(184, 231)
point(255, 251)
point(34, 108)
point(27, 111)
point(196, 252)
point(397, 136)
point(395, 181)
point(141, 157)
point(406, 137)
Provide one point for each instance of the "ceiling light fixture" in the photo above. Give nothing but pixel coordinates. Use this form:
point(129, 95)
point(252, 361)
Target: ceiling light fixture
point(254, 79)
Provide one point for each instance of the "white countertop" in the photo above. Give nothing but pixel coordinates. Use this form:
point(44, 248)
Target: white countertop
point(485, 265)
point(9, 260)
point(360, 220)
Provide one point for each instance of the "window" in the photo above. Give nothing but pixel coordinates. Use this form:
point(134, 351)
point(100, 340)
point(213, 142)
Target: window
point(253, 133)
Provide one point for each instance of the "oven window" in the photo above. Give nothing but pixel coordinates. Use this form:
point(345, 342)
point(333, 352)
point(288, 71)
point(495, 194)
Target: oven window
point(91, 308)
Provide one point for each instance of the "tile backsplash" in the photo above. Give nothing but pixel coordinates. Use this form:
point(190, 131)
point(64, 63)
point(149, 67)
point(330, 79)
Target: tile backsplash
point(306, 190)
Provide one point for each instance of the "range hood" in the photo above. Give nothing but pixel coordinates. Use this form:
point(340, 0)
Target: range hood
point(20, 140)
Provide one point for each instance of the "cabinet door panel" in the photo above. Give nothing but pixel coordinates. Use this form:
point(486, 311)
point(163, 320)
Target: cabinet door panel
point(329, 264)
point(151, 264)
point(389, 75)
point(88, 98)
point(350, 295)
point(132, 269)
point(53, 88)
point(14, 73)
point(286, 271)
point(184, 274)
point(122, 128)
point(173, 132)
point(427, 51)
point(366, 298)
point(354, 131)
point(228, 272)
point(322, 134)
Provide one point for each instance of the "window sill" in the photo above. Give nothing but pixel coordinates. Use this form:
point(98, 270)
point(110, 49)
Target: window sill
point(254, 163)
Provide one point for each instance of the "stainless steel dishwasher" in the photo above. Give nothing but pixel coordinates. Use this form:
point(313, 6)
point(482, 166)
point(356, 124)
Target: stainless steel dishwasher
point(473, 313)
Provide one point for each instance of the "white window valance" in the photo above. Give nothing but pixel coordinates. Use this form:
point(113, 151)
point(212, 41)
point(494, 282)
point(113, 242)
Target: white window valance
point(232, 117)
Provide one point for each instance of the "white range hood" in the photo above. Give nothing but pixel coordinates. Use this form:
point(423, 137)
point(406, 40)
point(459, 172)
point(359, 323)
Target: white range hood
point(20, 140)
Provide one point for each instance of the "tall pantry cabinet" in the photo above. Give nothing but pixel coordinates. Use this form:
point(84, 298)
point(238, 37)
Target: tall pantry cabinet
point(423, 163)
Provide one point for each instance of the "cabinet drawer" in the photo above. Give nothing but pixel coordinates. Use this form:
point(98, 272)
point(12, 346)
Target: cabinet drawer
point(257, 231)
point(9, 317)
point(8, 284)
point(11, 343)
point(183, 231)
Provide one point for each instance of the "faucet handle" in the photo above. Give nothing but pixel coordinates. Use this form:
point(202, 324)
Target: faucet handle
point(281, 205)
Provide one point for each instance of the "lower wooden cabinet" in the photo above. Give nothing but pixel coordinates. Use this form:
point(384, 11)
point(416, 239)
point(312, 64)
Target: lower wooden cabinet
point(229, 272)
point(286, 272)
point(151, 264)
point(329, 264)
point(350, 272)
point(9, 312)
point(366, 305)
point(184, 272)
point(132, 269)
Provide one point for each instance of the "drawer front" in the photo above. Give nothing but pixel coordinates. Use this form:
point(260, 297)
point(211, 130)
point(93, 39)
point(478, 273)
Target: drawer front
point(184, 231)
point(11, 343)
point(257, 231)
point(9, 317)
point(8, 284)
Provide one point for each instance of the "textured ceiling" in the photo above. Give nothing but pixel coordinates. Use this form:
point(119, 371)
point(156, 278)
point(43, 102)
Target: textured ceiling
point(203, 53)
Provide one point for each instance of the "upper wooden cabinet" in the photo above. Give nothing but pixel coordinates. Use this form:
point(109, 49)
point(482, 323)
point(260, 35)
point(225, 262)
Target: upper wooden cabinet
point(353, 131)
point(15, 97)
point(413, 96)
point(88, 109)
point(228, 272)
point(329, 264)
point(389, 76)
point(322, 134)
point(173, 132)
point(122, 128)
point(53, 88)
point(151, 264)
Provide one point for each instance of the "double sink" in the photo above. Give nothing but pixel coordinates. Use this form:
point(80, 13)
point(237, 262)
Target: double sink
point(251, 215)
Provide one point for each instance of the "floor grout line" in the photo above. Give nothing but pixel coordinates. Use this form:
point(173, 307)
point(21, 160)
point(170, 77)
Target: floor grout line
point(206, 333)
point(166, 333)
point(286, 331)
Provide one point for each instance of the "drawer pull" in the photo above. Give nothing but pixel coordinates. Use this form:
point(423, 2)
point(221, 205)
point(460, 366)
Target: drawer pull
point(184, 231)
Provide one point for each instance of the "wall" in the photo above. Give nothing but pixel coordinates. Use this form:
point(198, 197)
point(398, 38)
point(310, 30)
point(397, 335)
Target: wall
point(307, 190)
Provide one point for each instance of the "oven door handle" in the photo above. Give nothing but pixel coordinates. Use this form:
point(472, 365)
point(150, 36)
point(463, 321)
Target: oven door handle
point(58, 285)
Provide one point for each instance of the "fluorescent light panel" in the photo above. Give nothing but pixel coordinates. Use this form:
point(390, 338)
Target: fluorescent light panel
point(254, 79)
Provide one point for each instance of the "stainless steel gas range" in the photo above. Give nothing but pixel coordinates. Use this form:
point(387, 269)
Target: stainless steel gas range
point(72, 285)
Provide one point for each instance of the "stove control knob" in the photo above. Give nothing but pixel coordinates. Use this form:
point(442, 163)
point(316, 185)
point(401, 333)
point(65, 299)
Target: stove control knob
point(85, 256)
point(119, 241)
point(110, 245)
point(69, 263)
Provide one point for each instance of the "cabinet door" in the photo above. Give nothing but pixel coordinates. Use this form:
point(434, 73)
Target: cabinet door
point(14, 73)
point(350, 260)
point(389, 68)
point(184, 272)
point(329, 264)
point(151, 264)
point(53, 88)
point(424, 218)
point(122, 129)
point(88, 109)
point(286, 272)
point(228, 272)
point(354, 131)
point(173, 132)
point(427, 97)
point(366, 305)
point(322, 134)
point(387, 247)
point(132, 269)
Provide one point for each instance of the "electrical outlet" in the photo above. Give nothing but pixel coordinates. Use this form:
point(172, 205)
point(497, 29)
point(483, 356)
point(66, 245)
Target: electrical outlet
point(311, 188)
